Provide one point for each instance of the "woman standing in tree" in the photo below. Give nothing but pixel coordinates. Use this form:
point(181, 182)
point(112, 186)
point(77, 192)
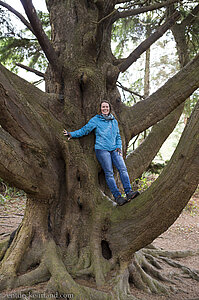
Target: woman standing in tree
point(108, 149)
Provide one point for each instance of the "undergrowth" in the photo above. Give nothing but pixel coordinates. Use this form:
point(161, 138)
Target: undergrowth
point(8, 192)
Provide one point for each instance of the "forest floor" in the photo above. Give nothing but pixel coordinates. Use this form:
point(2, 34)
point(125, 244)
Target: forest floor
point(182, 235)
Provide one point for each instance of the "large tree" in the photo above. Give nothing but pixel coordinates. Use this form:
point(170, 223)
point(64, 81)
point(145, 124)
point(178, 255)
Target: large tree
point(72, 235)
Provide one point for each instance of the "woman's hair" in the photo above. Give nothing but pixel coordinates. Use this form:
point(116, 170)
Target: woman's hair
point(106, 101)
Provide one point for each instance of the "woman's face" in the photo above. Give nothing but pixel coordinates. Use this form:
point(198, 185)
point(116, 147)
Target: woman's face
point(105, 108)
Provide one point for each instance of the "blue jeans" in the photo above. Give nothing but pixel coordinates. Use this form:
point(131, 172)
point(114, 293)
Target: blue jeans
point(107, 159)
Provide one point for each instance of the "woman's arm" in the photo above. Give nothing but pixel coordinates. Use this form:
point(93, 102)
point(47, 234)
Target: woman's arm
point(86, 129)
point(118, 139)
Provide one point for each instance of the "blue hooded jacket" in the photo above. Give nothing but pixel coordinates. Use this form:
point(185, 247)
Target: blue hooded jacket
point(106, 132)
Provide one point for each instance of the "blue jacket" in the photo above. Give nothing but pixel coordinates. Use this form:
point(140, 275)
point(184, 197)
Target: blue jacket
point(106, 132)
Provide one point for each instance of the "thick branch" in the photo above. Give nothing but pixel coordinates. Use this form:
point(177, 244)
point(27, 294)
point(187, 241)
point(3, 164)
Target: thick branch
point(24, 114)
point(23, 20)
point(140, 10)
point(31, 70)
point(157, 106)
point(19, 103)
point(148, 42)
point(42, 37)
point(139, 160)
point(23, 167)
point(14, 166)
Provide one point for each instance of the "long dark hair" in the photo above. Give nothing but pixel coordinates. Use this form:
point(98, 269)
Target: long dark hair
point(106, 101)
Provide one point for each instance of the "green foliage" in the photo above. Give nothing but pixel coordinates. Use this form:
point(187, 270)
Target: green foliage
point(21, 46)
point(165, 64)
point(2, 199)
point(5, 22)
point(124, 32)
point(8, 192)
point(135, 86)
point(16, 50)
point(144, 182)
point(192, 31)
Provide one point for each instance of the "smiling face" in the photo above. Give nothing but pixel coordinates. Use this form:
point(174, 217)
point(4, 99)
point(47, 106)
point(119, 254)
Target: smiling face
point(105, 108)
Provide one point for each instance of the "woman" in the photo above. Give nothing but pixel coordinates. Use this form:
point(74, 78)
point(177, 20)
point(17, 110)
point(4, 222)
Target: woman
point(108, 149)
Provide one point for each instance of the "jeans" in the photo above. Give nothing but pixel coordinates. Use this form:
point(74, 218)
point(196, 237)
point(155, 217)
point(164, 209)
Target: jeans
point(107, 159)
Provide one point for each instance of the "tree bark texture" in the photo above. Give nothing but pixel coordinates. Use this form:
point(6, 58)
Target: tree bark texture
point(71, 230)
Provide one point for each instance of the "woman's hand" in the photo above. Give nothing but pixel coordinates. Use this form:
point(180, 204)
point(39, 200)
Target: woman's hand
point(65, 132)
point(119, 151)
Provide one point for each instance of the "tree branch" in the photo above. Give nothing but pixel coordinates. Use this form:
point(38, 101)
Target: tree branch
point(106, 17)
point(17, 117)
point(38, 73)
point(42, 37)
point(128, 90)
point(140, 10)
point(34, 131)
point(157, 106)
point(25, 111)
point(16, 13)
point(121, 1)
point(191, 17)
point(14, 166)
point(139, 160)
point(148, 42)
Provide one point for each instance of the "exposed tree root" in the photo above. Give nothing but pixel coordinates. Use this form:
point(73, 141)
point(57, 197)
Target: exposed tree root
point(145, 272)
point(38, 275)
point(3, 247)
point(52, 270)
point(62, 281)
point(171, 254)
point(44, 262)
point(16, 252)
point(121, 285)
point(147, 275)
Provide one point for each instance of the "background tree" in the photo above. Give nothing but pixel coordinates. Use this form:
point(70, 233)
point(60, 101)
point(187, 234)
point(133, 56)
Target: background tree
point(71, 230)
point(20, 44)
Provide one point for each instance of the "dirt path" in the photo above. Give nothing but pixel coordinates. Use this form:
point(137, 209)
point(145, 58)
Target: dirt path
point(182, 235)
point(11, 214)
